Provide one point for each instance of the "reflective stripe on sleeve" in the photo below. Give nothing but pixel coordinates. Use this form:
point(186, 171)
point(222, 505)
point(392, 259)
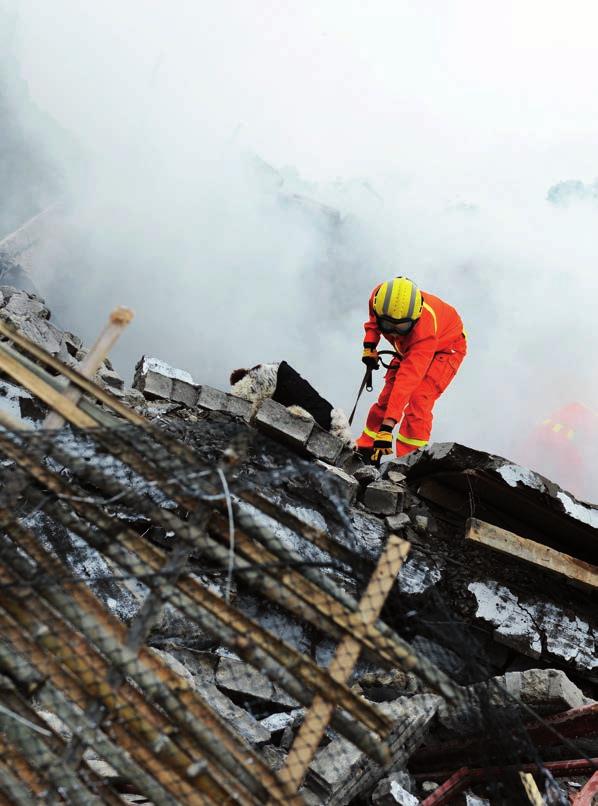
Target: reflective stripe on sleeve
point(557, 427)
point(369, 433)
point(431, 310)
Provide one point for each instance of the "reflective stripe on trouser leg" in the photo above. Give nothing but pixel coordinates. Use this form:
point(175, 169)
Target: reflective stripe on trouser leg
point(366, 440)
point(404, 445)
point(416, 425)
point(377, 413)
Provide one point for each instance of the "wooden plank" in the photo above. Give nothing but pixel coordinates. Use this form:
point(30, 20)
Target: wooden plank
point(43, 391)
point(56, 382)
point(589, 794)
point(74, 377)
point(341, 667)
point(534, 553)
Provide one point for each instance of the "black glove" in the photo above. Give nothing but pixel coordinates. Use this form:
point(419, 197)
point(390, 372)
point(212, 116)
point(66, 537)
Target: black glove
point(382, 444)
point(370, 356)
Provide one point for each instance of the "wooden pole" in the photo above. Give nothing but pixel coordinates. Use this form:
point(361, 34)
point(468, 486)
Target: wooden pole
point(119, 319)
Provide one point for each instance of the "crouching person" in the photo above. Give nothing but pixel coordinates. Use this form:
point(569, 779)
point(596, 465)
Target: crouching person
point(427, 333)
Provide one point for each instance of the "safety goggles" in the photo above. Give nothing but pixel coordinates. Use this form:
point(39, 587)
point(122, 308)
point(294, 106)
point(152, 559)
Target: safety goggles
point(389, 325)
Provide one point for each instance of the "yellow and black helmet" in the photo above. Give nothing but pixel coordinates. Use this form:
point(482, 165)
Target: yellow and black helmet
point(399, 300)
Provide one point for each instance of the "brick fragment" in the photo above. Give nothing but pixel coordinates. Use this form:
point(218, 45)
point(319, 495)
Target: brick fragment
point(239, 407)
point(324, 445)
point(278, 422)
point(185, 393)
point(382, 497)
point(397, 522)
point(153, 385)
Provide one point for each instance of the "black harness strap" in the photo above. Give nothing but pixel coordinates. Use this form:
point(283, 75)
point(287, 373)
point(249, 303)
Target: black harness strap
point(365, 384)
point(367, 378)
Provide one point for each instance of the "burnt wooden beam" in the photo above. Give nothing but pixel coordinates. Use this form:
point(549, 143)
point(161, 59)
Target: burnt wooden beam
point(531, 552)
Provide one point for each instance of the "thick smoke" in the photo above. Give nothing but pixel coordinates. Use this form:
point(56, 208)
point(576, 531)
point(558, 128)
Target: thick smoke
point(171, 125)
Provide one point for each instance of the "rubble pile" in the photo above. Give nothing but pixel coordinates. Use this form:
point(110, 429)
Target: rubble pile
point(491, 641)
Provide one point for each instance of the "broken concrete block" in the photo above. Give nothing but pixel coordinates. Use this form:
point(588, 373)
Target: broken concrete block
point(417, 575)
point(7, 292)
point(333, 765)
point(324, 445)
point(278, 722)
point(367, 474)
point(369, 533)
point(40, 331)
point(396, 477)
point(110, 379)
point(278, 422)
point(394, 465)
point(155, 378)
point(239, 407)
point(349, 461)
point(348, 486)
point(152, 383)
point(154, 386)
point(273, 756)
point(536, 626)
point(133, 398)
point(340, 772)
point(183, 392)
point(547, 691)
point(187, 679)
point(421, 523)
point(385, 686)
point(391, 791)
point(403, 778)
point(395, 523)
point(21, 304)
point(234, 675)
point(159, 408)
point(382, 497)
point(202, 665)
point(212, 399)
point(239, 719)
point(515, 627)
point(473, 800)
point(71, 342)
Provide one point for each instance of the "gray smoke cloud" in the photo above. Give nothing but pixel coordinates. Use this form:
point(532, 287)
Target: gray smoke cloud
point(446, 127)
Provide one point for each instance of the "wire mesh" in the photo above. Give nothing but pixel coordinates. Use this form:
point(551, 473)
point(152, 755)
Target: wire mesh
point(170, 629)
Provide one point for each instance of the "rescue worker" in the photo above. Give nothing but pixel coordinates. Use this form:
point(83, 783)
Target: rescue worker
point(563, 448)
point(428, 335)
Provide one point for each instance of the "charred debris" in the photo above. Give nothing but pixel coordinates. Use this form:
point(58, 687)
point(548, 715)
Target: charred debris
point(203, 601)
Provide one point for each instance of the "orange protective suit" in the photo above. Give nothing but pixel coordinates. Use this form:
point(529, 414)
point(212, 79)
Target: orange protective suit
point(431, 355)
point(564, 448)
